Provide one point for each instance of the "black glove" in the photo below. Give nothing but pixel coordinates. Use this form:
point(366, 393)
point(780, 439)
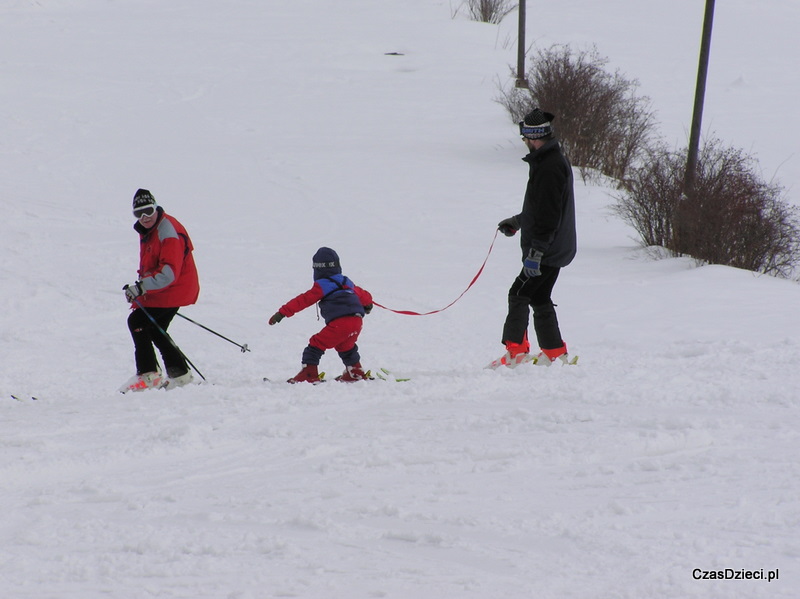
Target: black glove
point(368, 308)
point(531, 266)
point(133, 291)
point(276, 318)
point(509, 226)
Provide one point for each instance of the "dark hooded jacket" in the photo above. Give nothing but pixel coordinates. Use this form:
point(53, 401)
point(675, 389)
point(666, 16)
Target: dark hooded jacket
point(547, 220)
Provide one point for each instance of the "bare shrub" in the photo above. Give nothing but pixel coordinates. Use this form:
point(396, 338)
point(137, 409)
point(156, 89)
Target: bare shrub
point(602, 124)
point(489, 11)
point(651, 196)
point(733, 217)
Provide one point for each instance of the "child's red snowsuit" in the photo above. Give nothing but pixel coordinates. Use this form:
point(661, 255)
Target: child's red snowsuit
point(341, 304)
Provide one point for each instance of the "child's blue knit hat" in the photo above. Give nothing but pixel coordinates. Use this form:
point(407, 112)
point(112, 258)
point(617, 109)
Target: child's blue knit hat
point(326, 263)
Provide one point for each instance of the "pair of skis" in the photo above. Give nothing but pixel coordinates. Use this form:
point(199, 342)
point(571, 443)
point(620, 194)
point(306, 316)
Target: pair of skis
point(381, 374)
point(509, 362)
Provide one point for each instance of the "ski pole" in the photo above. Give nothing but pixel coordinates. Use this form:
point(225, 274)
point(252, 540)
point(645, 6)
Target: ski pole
point(168, 338)
point(244, 347)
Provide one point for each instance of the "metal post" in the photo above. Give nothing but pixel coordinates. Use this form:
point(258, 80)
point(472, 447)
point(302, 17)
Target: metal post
point(699, 97)
point(521, 80)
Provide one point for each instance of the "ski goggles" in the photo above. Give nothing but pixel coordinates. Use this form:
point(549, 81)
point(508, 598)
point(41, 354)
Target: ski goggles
point(144, 211)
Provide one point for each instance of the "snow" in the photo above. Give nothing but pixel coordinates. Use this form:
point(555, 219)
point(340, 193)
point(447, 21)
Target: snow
point(273, 128)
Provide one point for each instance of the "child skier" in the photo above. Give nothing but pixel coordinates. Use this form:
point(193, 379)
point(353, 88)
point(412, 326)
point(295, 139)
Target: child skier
point(343, 305)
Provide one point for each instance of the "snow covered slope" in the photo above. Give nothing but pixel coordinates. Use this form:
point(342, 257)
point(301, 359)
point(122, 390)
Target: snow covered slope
point(273, 128)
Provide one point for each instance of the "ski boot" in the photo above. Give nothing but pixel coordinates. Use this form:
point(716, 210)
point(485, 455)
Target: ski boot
point(516, 354)
point(309, 374)
point(352, 374)
point(173, 382)
point(143, 382)
point(547, 356)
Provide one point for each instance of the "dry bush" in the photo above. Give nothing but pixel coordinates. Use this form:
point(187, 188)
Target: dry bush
point(651, 195)
point(489, 11)
point(733, 217)
point(602, 124)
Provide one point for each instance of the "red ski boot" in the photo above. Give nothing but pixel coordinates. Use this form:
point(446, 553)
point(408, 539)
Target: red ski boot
point(548, 356)
point(309, 374)
point(516, 354)
point(352, 374)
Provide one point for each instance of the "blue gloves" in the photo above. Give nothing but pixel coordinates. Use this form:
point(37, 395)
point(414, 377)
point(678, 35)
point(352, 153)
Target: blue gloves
point(531, 266)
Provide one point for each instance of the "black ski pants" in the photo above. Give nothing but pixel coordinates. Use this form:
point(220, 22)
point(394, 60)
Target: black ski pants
point(528, 293)
point(145, 335)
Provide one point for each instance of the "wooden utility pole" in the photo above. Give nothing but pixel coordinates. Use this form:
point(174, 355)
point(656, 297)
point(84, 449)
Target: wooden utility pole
point(699, 98)
point(521, 80)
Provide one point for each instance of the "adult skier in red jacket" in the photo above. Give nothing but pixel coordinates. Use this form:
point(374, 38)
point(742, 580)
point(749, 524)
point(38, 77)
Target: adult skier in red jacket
point(343, 305)
point(167, 280)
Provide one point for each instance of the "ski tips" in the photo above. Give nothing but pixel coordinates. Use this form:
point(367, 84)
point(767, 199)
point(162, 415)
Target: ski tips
point(386, 375)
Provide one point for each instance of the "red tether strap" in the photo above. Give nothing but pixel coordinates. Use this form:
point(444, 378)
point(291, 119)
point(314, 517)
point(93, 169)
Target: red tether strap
point(471, 283)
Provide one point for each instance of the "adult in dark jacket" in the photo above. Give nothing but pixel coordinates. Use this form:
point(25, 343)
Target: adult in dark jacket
point(167, 280)
point(343, 305)
point(548, 242)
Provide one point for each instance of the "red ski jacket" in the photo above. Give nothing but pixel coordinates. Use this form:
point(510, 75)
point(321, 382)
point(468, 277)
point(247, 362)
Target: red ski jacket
point(338, 296)
point(166, 265)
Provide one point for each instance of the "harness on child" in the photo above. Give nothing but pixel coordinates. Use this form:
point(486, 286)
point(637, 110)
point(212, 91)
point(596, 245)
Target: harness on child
point(338, 287)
